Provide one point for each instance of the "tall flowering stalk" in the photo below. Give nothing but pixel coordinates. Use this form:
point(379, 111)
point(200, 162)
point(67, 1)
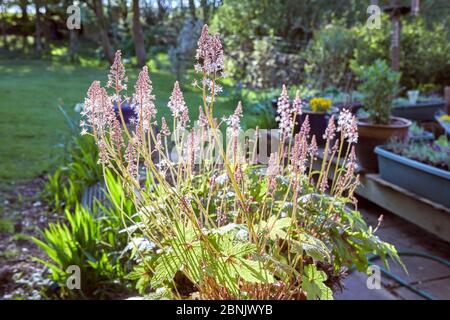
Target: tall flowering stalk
point(221, 225)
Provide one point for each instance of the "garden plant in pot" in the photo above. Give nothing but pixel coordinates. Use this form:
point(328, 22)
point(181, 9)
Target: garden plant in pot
point(379, 85)
point(319, 111)
point(220, 224)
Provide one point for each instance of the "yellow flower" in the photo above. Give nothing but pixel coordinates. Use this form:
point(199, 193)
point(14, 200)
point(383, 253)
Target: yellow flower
point(320, 104)
point(445, 118)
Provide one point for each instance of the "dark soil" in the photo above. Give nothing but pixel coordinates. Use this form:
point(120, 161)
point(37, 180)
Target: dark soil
point(22, 216)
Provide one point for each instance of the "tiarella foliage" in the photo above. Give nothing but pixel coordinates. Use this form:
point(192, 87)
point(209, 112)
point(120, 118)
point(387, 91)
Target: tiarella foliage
point(212, 221)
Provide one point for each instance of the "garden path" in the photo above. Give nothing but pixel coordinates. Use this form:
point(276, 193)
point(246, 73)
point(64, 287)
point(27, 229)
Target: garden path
point(425, 274)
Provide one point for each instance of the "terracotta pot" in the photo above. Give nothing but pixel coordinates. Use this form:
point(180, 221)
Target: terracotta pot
point(372, 135)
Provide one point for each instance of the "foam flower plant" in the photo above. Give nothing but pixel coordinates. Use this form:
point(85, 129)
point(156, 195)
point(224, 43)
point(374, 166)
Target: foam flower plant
point(226, 219)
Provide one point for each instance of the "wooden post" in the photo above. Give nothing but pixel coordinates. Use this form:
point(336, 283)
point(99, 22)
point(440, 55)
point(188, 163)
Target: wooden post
point(447, 100)
point(395, 44)
point(396, 32)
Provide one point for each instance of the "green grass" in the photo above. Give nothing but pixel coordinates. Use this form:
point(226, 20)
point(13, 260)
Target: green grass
point(31, 127)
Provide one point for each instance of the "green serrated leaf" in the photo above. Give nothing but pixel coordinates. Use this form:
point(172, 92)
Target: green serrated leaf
point(313, 247)
point(254, 272)
point(313, 284)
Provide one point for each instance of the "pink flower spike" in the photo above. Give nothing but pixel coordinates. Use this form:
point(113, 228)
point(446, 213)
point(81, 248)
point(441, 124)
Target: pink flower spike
point(234, 120)
point(143, 100)
point(209, 53)
point(297, 103)
point(273, 170)
point(116, 77)
point(285, 114)
point(313, 149)
point(164, 127)
point(330, 131)
point(176, 102)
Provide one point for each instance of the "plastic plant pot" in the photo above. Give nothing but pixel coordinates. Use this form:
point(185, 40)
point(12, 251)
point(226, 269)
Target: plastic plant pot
point(318, 122)
point(413, 95)
point(424, 180)
point(422, 111)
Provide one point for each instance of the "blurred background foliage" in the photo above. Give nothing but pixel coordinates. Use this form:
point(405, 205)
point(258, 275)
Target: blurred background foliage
point(307, 45)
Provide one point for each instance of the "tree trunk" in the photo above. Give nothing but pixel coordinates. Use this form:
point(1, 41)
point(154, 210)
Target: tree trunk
point(24, 19)
point(38, 25)
point(73, 46)
point(124, 16)
point(4, 25)
point(161, 10)
point(204, 4)
point(98, 9)
point(138, 35)
point(192, 9)
point(46, 27)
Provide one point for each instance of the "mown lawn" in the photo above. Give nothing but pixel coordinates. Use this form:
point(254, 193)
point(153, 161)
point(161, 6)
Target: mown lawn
point(32, 130)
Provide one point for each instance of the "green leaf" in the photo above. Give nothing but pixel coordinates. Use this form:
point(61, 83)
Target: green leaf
point(313, 247)
point(254, 272)
point(166, 268)
point(276, 227)
point(313, 284)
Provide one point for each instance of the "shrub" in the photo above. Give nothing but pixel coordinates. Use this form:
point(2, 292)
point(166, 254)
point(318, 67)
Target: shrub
point(425, 52)
point(424, 61)
point(268, 66)
point(219, 224)
point(328, 55)
point(320, 104)
point(379, 85)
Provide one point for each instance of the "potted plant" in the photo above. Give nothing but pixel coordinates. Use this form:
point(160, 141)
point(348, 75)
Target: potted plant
point(422, 168)
point(318, 110)
point(379, 84)
point(220, 225)
point(416, 133)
